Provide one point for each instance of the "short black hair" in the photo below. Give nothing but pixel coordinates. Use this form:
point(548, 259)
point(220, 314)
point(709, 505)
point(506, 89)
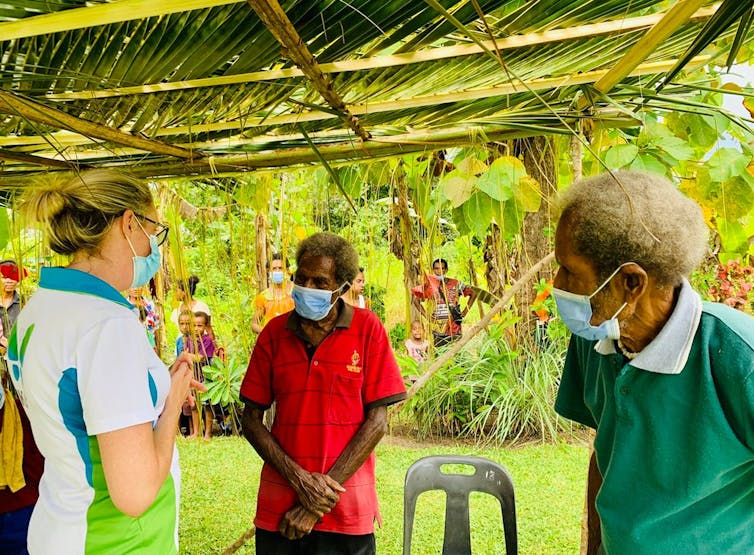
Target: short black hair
point(441, 261)
point(277, 256)
point(191, 281)
point(334, 247)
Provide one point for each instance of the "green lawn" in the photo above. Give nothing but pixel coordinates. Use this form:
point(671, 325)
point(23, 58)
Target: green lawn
point(220, 480)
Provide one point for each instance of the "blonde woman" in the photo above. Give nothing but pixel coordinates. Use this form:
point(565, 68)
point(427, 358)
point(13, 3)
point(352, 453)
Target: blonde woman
point(103, 407)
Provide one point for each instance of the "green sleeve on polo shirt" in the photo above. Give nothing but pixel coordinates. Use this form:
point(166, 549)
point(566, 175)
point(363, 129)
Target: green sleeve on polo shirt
point(731, 347)
point(570, 401)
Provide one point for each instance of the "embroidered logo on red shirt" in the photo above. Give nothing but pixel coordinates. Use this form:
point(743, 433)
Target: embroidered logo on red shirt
point(354, 366)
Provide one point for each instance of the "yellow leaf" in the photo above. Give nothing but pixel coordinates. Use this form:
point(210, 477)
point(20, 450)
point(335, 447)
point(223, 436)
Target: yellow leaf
point(471, 166)
point(299, 232)
point(457, 189)
point(528, 194)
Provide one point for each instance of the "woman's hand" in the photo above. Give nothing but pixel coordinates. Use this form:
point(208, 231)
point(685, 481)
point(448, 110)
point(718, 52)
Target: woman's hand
point(181, 382)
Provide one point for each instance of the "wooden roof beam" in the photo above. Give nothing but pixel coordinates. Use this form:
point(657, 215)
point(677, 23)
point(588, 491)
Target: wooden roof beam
point(275, 19)
point(679, 14)
point(392, 60)
point(30, 110)
point(380, 147)
point(12, 156)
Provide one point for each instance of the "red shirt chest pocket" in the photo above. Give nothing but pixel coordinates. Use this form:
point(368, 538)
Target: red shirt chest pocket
point(345, 404)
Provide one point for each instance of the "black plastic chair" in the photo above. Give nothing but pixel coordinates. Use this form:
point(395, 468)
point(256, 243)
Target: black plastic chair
point(489, 477)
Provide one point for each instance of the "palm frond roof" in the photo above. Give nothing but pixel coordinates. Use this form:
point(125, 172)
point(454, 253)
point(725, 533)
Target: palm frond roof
point(206, 87)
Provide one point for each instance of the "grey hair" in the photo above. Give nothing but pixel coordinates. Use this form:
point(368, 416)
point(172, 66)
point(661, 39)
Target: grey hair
point(335, 247)
point(636, 217)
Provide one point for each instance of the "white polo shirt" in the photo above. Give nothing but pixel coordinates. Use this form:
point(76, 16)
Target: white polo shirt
point(82, 364)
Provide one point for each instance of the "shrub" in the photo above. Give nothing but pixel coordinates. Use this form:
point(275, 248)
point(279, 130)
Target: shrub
point(492, 392)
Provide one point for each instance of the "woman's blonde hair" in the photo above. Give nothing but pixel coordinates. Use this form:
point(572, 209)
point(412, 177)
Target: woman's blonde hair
point(76, 213)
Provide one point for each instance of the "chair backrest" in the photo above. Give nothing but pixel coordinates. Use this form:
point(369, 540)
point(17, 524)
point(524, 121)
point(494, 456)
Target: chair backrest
point(489, 477)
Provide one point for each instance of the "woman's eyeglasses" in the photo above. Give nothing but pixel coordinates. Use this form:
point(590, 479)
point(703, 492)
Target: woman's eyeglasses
point(162, 229)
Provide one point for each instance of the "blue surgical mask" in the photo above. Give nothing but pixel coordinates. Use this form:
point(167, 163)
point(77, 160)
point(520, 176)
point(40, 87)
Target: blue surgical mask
point(441, 277)
point(145, 267)
point(576, 313)
point(313, 304)
point(276, 277)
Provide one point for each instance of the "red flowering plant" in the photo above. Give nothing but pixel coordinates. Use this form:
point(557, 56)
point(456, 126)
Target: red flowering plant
point(733, 286)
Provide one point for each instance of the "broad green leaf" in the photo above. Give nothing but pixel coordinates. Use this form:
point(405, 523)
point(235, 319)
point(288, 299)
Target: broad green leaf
point(457, 189)
point(619, 156)
point(512, 220)
point(478, 212)
point(736, 198)
point(528, 194)
point(652, 132)
point(700, 131)
point(731, 199)
point(732, 236)
point(726, 163)
point(647, 162)
point(502, 178)
point(676, 147)
point(4, 228)
point(460, 220)
point(351, 179)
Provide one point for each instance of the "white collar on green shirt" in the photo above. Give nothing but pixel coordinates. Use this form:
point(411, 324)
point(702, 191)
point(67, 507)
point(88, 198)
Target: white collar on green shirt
point(669, 351)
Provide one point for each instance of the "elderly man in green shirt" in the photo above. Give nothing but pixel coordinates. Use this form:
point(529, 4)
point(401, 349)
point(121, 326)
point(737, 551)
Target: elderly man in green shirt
point(664, 378)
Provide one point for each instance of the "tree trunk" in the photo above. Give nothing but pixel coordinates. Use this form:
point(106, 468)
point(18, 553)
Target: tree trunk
point(494, 258)
point(404, 245)
point(260, 274)
point(538, 154)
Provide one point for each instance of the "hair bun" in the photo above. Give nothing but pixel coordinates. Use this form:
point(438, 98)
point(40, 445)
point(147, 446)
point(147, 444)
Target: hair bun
point(45, 201)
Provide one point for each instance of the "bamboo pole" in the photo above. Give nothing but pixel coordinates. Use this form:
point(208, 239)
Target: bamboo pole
point(31, 110)
point(100, 14)
point(68, 139)
point(275, 19)
point(586, 77)
point(391, 60)
point(679, 14)
point(479, 326)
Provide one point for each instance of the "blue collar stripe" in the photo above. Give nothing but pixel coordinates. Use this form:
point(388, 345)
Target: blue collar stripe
point(76, 281)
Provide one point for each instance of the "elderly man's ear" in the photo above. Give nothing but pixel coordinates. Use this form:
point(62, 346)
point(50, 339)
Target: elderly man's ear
point(634, 280)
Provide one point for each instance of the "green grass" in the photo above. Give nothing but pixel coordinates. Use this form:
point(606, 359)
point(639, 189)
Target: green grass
point(220, 480)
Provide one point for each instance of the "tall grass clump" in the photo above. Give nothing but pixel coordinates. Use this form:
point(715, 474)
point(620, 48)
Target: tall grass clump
point(492, 392)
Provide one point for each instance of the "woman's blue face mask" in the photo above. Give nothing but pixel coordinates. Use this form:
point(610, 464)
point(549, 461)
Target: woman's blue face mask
point(313, 304)
point(576, 313)
point(145, 267)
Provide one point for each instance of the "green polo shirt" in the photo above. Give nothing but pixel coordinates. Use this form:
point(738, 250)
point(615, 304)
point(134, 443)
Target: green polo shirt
point(675, 432)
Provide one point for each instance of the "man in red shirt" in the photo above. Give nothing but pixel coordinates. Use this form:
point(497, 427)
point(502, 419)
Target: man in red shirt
point(331, 372)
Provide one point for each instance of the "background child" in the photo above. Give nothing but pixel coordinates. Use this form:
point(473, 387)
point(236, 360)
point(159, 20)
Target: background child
point(195, 340)
point(416, 346)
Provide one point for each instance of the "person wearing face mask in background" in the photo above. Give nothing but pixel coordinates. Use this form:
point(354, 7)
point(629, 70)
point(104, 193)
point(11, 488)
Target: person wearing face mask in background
point(103, 407)
point(276, 299)
point(332, 373)
point(444, 294)
point(666, 380)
